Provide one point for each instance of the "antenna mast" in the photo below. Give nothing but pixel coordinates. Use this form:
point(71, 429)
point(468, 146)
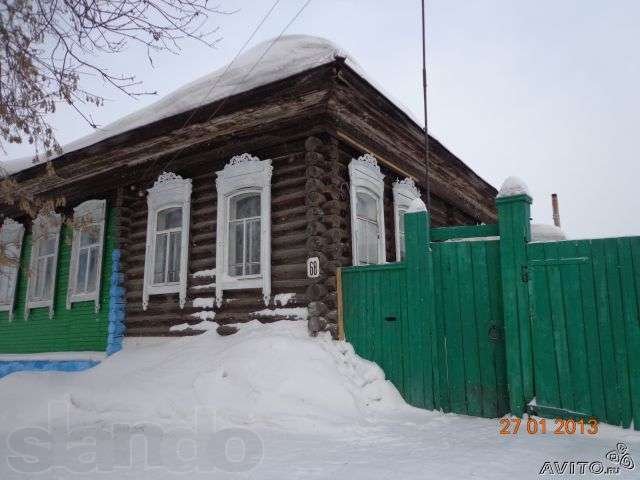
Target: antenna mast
point(424, 98)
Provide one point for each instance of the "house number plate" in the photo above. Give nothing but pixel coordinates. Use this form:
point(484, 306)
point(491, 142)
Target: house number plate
point(313, 267)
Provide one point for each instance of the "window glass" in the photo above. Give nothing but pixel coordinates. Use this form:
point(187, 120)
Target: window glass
point(8, 271)
point(42, 280)
point(402, 247)
point(6, 279)
point(168, 243)
point(170, 218)
point(89, 235)
point(88, 259)
point(367, 207)
point(367, 231)
point(244, 235)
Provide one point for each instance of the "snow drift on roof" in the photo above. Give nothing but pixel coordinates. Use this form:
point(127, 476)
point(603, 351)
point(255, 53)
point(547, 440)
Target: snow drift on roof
point(546, 233)
point(265, 63)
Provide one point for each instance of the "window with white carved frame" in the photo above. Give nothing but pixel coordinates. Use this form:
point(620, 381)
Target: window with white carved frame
point(44, 262)
point(11, 236)
point(168, 220)
point(243, 246)
point(367, 211)
point(244, 234)
point(404, 193)
point(86, 253)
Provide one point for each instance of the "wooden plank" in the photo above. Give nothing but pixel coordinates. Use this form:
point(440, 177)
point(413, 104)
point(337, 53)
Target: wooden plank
point(546, 367)
point(466, 231)
point(442, 382)
point(465, 278)
point(454, 333)
point(574, 317)
point(497, 316)
point(481, 281)
point(573, 260)
point(632, 325)
point(592, 335)
point(618, 330)
point(635, 260)
point(607, 348)
point(339, 294)
point(391, 335)
point(558, 317)
point(408, 358)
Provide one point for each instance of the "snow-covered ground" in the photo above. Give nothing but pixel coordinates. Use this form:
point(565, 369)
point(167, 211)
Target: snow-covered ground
point(266, 403)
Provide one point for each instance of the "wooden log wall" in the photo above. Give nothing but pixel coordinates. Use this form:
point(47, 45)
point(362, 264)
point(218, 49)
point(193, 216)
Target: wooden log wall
point(289, 244)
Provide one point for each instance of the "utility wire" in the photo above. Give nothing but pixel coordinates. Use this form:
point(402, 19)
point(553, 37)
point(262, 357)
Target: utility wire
point(215, 84)
point(244, 78)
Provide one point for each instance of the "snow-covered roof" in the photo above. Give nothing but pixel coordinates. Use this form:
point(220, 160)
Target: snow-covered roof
point(265, 63)
point(546, 233)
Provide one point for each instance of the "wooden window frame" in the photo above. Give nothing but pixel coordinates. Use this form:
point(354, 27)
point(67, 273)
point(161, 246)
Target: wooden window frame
point(365, 176)
point(44, 225)
point(243, 174)
point(91, 212)
point(404, 193)
point(12, 234)
point(169, 191)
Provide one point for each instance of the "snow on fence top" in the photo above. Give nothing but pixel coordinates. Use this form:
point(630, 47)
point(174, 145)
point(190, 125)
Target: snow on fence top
point(513, 186)
point(265, 63)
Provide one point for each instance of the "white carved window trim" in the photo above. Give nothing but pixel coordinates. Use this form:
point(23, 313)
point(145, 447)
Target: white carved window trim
point(11, 237)
point(169, 191)
point(89, 213)
point(404, 193)
point(243, 174)
point(366, 177)
point(43, 226)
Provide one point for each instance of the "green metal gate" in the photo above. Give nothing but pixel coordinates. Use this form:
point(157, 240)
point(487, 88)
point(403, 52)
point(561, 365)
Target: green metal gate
point(586, 328)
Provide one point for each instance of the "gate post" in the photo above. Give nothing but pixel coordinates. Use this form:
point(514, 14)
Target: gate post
point(418, 333)
point(514, 211)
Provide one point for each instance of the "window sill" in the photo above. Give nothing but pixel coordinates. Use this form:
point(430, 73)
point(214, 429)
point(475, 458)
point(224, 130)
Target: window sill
point(239, 283)
point(163, 288)
point(82, 298)
point(39, 304)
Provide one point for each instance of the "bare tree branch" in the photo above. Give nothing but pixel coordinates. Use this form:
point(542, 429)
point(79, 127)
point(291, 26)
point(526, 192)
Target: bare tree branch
point(48, 47)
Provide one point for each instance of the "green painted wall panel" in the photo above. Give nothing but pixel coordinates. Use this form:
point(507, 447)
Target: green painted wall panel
point(77, 329)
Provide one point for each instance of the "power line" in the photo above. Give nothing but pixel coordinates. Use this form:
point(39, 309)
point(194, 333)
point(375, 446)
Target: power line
point(257, 62)
point(229, 65)
point(286, 27)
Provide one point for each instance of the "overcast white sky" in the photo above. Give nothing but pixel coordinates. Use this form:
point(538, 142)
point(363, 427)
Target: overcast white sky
point(545, 90)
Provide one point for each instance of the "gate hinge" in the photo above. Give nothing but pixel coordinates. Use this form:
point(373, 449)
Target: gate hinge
point(525, 273)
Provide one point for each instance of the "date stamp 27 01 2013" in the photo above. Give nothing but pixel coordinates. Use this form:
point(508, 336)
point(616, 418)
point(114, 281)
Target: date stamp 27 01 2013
point(560, 426)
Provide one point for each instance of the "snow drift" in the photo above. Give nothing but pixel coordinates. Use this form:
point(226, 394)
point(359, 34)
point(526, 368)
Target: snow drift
point(271, 374)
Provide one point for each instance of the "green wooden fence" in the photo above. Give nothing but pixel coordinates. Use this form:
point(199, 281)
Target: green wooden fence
point(586, 335)
point(483, 326)
point(440, 346)
point(470, 359)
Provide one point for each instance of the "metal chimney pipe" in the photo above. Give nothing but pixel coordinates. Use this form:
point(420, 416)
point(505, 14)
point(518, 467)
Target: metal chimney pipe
point(556, 209)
